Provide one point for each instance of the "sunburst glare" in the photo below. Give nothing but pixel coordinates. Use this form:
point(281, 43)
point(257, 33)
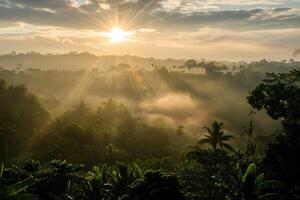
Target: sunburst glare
point(117, 35)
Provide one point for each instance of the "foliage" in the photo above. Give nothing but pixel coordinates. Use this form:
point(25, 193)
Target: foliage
point(122, 177)
point(207, 174)
point(111, 140)
point(156, 185)
point(253, 186)
point(20, 115)
point(216, 137)
point(16, 190)
point(279, 95)
point(102, 136)
point(95, 184)
point(251, 149)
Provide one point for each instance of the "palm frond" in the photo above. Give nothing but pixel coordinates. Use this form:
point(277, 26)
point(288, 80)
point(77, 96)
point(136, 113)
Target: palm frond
point(208, 130)
point(217, 125)
point(228, 146)
point(227, 137)
point(204, 141)
point(137, 170)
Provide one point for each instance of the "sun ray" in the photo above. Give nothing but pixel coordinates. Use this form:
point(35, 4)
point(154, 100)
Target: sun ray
point(117, 35)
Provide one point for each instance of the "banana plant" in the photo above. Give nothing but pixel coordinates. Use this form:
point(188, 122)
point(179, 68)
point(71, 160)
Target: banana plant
point(253, 185)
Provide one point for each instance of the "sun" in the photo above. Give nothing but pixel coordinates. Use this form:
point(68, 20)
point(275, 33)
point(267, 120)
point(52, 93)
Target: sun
point(118, 35)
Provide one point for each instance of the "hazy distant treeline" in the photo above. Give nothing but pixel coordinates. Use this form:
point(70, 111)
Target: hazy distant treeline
point(160, 97)
point(75, 61)
point(165, 95)
point(83, 60)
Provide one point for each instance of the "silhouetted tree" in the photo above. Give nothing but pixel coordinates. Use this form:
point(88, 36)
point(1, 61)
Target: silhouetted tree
point(21, 115)
point(190, 64)
point(251, 140)
point(216, 137)
point(279, 95)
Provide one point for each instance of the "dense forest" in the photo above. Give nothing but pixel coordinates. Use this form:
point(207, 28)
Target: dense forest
point(161, 132)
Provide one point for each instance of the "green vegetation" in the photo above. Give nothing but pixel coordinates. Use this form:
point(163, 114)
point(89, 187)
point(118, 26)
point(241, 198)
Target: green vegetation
point(115, 152)
point(216, 137)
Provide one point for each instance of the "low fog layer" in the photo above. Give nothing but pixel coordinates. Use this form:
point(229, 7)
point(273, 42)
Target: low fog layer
point(191, 94)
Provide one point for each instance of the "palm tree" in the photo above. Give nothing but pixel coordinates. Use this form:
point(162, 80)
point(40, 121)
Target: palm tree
point(216, 137)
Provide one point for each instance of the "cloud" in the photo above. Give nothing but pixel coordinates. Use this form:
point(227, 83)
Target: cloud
point(178, 104)
point(207, 42)
point(241, 39)
point(186, 26)
point(174, 109)
point(94, 14)
point(277, 14)
point(192, 6)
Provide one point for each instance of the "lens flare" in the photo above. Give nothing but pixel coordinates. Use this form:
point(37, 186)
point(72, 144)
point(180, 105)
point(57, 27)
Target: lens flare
point(118, 35)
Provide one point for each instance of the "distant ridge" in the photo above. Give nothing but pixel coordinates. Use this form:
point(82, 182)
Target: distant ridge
point(76, 61)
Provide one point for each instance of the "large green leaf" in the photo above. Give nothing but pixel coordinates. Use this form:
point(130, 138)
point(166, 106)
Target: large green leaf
point(259, 179)
point(271, 184)
point(17, 188)
point(251, 171)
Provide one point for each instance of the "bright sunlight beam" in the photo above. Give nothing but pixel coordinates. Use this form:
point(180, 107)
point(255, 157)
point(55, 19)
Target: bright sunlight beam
point(117, 35)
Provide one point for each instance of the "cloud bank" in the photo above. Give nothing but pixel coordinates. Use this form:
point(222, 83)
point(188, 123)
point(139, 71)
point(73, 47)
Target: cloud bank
point(250, 29)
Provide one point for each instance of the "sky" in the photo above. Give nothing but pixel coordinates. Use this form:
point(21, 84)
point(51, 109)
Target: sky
point(209, 29)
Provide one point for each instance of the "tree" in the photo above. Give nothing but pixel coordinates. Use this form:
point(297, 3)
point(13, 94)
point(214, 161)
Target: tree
point(190, 64)
point(211, 69)
point(279, 95)
point(216, 137)
point(21, 115)
point(251, 139)
point(73, 142)
point(207, 174)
